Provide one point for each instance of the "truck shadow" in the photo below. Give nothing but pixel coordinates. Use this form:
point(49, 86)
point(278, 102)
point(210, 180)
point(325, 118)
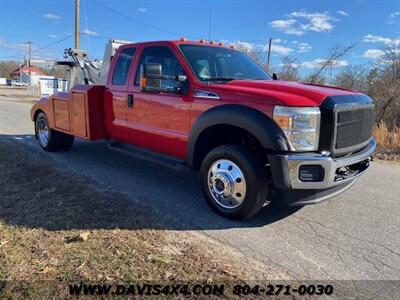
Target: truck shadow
point(92, 187)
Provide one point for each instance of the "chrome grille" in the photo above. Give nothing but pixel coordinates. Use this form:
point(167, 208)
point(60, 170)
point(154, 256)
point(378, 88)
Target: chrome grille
point(347, 123)
point(353, 127)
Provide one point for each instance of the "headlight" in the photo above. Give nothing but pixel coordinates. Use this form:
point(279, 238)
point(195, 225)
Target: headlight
point(301, 126)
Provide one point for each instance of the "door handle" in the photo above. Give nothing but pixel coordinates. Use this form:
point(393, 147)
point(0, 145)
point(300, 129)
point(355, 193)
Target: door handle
point(130, 100)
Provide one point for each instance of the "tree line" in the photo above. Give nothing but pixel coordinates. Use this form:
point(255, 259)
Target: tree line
point(380, 80)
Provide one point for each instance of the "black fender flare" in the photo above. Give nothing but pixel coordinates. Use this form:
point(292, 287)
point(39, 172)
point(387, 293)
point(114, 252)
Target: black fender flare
point(268, 133)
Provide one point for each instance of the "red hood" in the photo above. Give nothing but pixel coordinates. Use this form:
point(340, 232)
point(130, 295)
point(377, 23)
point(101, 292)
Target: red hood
point(283, 92)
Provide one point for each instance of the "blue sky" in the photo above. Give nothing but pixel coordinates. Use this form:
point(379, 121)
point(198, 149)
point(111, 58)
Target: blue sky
point(305, 30)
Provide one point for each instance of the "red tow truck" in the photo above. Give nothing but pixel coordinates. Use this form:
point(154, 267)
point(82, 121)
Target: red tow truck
point(210, 108)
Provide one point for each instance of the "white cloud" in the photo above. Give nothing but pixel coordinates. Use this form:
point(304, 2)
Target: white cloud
point(87, 31)
point(369, 38)
point(276, 47)
point(373, 53)
point(289, 26)
point(394, 14)
point(51, 16)
point(343, 13)
point(318, 22)
point(303, 47)
point(13, 46)
point(53, 36)
point(279, 49)
point(393, 17)
point(242, 46)
point(279, 46)
point(21, 49)
point(142, 9)
point(299, 22)
point(300, 47)
point(316, 63)
point(277, 41)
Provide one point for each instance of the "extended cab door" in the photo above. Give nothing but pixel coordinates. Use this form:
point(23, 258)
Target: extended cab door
point(160, 121)
point(116, 97)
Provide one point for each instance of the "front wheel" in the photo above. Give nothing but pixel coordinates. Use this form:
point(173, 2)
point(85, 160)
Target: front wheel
point(234, 182)
point(50, 139)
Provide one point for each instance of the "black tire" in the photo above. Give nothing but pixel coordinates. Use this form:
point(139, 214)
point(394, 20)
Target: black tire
point(255, 179)
point(56, 140)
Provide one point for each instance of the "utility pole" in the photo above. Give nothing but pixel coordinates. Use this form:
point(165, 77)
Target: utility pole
point(29, 60)
point(269, 53)
point(19, 65)
point(77, 33)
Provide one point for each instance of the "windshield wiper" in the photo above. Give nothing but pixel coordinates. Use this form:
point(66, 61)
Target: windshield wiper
point(218, 79)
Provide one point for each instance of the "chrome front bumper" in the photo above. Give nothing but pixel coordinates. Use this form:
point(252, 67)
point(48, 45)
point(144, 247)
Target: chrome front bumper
point(330, 166)
point(285, 168)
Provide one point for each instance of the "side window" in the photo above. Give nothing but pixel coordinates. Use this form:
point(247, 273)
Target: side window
point(122, 66)
point(163, 55)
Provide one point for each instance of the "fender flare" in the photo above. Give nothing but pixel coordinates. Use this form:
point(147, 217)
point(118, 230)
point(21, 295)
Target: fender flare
point(268, 133)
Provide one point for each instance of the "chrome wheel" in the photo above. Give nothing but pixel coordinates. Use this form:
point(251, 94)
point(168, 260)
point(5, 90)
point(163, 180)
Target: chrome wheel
point(43, 131)
point(226, 184)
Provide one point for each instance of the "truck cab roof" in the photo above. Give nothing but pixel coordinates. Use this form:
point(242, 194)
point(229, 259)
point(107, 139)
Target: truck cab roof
point(173, 43)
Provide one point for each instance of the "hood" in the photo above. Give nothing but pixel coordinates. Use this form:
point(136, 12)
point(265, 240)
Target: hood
point(284, 92)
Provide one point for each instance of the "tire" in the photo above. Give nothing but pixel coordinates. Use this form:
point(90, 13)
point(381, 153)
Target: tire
point(50, 139)
point(234, 182)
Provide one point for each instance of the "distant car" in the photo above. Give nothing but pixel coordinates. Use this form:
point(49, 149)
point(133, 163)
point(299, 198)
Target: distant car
point(18, 83)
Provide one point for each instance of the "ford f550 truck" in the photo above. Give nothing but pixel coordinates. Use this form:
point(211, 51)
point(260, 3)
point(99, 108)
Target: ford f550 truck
point(210, 108)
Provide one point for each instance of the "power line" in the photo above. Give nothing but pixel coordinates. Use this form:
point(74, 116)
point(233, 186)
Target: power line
point(54, 43)
point(41, 48)
point(87, 24)
point(97, 36)
point(140, 22)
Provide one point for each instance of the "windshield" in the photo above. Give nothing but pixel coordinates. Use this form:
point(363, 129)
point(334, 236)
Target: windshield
point(221, 64)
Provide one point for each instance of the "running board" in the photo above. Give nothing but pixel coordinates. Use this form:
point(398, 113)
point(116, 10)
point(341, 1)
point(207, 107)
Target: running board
point(171, 162)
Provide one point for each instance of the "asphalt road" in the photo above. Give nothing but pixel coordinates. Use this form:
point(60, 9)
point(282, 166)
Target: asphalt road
point(355, 236)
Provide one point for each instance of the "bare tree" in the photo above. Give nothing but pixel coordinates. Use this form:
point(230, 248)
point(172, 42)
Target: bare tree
point(332, 61)
point(353, 77)
point(6, 67)
point(253, 53)
point(289, 69)
point(385, 87)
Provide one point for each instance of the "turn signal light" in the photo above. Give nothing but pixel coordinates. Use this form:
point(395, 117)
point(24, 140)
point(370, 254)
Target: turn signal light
point(283, 121)
point(143, 82)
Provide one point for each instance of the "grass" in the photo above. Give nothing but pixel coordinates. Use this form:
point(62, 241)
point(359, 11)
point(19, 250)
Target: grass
point(388, 142)
point(56, 228)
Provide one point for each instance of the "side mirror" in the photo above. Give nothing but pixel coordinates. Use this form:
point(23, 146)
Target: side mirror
point(151, 76)
point(274, 76)
point(149, 81)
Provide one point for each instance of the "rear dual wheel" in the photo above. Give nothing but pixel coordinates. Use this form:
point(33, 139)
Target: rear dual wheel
point(50, 139)
point(234, 182)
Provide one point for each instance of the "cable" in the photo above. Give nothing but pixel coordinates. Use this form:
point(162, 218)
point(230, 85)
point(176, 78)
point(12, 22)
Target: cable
point(54, 43)
point(57, 42)
point(140, 22)
point(97, 36)
point(87, 24)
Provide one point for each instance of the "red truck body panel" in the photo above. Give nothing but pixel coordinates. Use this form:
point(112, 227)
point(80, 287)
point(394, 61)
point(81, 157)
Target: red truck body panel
point(162, 122)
